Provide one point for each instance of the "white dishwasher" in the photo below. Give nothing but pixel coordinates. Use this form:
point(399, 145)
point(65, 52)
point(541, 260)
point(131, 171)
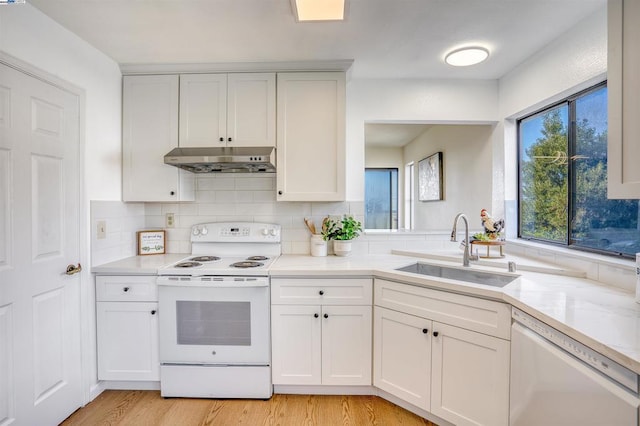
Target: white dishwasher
point(557, 381)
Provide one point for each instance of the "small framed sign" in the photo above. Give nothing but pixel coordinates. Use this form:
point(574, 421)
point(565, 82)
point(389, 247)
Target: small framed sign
point(151, 242)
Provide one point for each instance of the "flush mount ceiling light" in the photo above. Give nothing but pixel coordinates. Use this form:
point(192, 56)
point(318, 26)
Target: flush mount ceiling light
point(466, 56)
point(318, 10)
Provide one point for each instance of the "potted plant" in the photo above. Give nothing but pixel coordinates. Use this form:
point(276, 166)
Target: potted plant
point(342, 232)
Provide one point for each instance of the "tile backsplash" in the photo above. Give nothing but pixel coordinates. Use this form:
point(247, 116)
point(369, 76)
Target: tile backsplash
point(247, 197)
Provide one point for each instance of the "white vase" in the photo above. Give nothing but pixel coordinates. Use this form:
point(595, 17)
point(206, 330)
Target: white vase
point(318, 246)
point(342, 247)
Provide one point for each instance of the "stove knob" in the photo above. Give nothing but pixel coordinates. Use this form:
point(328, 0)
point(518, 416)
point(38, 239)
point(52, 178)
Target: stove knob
point(273, 232)
point(204, 231)
point(265, 231)
point(196, 231)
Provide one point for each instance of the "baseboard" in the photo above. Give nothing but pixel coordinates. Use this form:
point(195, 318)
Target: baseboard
point(412, 408)
point(128, 385)
point(324, 390)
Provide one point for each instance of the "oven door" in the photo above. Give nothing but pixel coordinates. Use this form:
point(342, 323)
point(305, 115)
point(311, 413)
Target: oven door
point(223, 322)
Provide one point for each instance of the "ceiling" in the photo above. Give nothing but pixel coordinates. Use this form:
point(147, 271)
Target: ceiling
point(385, 38)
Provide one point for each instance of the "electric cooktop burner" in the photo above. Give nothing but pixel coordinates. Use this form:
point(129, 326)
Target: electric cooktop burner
point(204, 258)
point(257, 258)
point(188, 264)
point(246, 264)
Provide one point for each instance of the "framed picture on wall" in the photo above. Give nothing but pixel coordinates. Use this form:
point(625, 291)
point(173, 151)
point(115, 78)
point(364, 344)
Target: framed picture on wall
point(430, 178)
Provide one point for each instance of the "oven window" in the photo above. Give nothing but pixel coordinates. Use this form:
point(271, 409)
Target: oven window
point(213, 323)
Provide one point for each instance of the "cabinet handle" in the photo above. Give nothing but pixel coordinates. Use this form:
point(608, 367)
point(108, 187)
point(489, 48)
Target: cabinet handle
point(326, 315)
point(321, 292)
point(221, 139)
point(153, 312)
point(126, 289)
point(316, 315)
point(435, 334)
point(425, 331)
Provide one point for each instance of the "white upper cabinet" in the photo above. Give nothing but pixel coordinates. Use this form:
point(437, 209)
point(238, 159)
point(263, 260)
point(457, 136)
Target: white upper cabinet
point(311, 136)
point(228, 109)
point(623, 76)
point(149, 131)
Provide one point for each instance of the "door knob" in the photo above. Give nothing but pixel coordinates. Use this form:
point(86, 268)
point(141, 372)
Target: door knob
point(73, 269)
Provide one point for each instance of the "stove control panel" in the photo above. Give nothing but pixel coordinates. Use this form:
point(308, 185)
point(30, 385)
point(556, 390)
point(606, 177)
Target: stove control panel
point(236, 232)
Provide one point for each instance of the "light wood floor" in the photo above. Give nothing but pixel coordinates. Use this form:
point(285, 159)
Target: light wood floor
point(141, 408)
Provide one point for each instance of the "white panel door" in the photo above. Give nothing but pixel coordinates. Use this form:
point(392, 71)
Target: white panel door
point(470, 377)
point(39, 236)
point(402, 356)
point(203, 110)
point(296, 345)
point(251, 110)
point(128, 341)
point(346, 345)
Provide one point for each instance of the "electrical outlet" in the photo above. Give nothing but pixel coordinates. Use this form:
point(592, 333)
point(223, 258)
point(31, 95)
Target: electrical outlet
point(101, 230)
point(169, 220)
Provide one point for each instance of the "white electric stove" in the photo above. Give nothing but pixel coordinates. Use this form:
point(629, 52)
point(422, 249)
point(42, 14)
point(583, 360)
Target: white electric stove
point(214, 313)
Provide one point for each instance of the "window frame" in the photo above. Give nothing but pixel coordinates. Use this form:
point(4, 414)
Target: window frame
point(569, 242)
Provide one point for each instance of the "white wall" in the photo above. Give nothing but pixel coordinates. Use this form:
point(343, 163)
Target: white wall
point(467, 173)
point(31, 36)
point(574, 61)
point(427, 101)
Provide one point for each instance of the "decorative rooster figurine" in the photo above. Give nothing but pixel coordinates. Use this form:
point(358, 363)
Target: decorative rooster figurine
point(491, 227)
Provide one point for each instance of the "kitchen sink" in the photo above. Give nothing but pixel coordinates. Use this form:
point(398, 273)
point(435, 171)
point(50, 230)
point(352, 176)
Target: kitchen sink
point(453, 273)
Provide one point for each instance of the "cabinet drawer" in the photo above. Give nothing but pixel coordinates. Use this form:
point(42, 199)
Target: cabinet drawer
point(113, 288)
point(483, 316)
point(321, 291)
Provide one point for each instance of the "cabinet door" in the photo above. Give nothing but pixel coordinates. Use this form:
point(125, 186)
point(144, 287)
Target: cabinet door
point(346, 345)
point(203, 110)
point(311, 136)
point(296, 345)
point(402, 356)
point(127, 334)
point(251, 109)
point(470, 377)
point(623, 74)
point(149, 131)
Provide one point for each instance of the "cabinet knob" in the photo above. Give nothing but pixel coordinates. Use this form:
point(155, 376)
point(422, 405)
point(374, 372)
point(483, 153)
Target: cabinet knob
point(425, 331)
point(435, 334)
point(326, 315)
point(230, 140)
point(316, 315)
point(173, 192)
point(321, 292)
point(279, 192)
point(153, 312)
point(126, 289)
point(221, 139)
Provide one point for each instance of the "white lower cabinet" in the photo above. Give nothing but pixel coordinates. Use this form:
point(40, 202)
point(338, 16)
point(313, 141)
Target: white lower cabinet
point(458, 374)
point(469, 377)
point(402, 356)
point(321, 331)
point(127, 328)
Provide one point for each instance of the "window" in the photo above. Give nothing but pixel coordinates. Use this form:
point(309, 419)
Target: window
point(381, 198)
point(409, 190)
point(563, 179)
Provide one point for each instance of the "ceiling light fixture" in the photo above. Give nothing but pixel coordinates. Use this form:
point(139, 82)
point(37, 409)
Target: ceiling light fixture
point(466, 56)
point(318, 10)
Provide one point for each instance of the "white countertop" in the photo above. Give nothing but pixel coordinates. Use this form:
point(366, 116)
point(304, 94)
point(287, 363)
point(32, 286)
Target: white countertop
point(604, 318)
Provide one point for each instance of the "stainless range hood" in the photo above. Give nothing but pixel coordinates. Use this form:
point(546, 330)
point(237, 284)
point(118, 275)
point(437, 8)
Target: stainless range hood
point(259, 159)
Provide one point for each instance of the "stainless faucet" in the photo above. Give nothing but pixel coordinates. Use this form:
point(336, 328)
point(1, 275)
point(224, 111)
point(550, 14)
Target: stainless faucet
point(466, 257)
